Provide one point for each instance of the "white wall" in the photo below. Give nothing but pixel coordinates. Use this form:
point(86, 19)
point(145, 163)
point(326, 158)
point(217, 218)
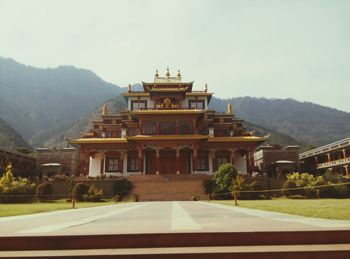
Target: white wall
point(150, 103)
point(240, 163)
point(95, 164)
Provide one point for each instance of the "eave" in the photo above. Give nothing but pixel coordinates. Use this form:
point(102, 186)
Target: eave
point(167, 137)
point(237, 139)
point(178, 111)
point(97, 140)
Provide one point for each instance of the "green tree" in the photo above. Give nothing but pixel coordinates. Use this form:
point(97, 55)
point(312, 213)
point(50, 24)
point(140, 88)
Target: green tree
point(226, 179)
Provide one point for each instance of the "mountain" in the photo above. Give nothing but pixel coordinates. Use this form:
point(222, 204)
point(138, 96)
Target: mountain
point(39, 101)
point(46, 105)
point(308, 123)
point(10, 138)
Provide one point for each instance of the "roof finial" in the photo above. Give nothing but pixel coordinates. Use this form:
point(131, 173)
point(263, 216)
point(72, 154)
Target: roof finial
point(129, 88)
point(178, 73)
point(167, 72)
point(206, 87)
point(157, 74)
point(104, 110)
point(229, 109)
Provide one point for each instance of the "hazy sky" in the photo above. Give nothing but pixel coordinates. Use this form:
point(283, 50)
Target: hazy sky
point(281, 49)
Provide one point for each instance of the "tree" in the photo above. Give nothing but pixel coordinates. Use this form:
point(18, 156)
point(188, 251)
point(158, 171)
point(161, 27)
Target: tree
point(225, 179)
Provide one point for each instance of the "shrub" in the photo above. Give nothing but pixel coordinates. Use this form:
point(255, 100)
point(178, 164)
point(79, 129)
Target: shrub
point(300, 180)
point(93, 194)
point(195, 196)
point(335, 191)
point(209, 186)
point(15, 189)
point(224, 176)
point(43, 191)
point(122, 187)
point(79, 190)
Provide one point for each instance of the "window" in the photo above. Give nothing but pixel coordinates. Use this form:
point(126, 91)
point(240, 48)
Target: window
point(221, 160)
point(133, 164)
point(203, 130)
point(222, 132)
point(185, 127)
point(167, 128)
point(149, 128)
point(132, 131)
point(199, 105)
point(138, 105)
point(112, 164)
point(202, 163)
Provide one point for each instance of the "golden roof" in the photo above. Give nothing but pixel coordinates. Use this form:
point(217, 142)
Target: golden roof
point(177, 111)
point(237, 139)
point(97, 140)
point(143, 94)
point(167, 137)
point(179, 89)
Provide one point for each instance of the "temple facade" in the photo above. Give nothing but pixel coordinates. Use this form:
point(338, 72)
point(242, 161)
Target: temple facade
point(167, 129)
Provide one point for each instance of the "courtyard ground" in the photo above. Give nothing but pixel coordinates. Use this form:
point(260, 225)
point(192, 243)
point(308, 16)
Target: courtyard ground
point(161, 217)
point(15, 209)
point(318, 208)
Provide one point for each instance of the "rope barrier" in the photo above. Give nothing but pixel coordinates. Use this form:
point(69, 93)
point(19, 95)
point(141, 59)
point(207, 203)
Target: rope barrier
point(287, 189)
point(213, 194)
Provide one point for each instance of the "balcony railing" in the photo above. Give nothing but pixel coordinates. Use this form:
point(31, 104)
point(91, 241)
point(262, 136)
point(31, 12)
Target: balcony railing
point(338, 162)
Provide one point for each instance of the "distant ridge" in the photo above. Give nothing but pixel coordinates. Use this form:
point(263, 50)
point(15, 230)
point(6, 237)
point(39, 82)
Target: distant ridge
point(45, 105)
point(10, 138)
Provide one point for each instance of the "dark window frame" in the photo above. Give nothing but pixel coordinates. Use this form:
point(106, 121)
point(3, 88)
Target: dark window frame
point(136, 102)
point(115, 164)
point(196, 102)
point(202, 163)
point(133, 164)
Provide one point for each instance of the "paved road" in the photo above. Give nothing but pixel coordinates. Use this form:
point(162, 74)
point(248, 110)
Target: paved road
point(160, 217)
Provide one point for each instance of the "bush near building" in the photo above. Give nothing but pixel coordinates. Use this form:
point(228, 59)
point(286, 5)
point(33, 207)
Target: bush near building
point(15, 189)
point(44, 191)
point(122, 187)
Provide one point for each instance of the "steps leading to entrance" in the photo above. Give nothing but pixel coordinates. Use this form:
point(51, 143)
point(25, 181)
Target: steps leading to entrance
point(168, 187)
point(298, 244)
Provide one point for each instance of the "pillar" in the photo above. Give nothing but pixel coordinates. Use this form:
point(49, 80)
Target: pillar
point(328, 157)
point(177, 161)
point(121, 160)
point(194, 130)
point(194, 160)
point(157, 161)
point(344, 153)
point(347, 171)
point(140, 156)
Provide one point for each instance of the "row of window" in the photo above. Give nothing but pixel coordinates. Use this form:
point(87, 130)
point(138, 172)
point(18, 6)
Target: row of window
point(202, 163)
point(165, 128)
point(112, 164)
point(142, 105)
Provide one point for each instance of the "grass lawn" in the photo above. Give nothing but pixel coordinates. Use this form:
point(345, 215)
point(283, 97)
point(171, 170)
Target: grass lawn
point(30, 208)
point(318, 208)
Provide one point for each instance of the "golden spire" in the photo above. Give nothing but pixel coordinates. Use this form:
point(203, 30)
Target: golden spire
point(206, 87)
point(157, 74)
point(104, 110)
point(178, 73)
point(129, 88)
point(167, 72)
point(229, 109)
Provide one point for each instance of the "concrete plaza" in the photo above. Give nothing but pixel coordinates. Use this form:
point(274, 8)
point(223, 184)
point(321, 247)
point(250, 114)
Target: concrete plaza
point(160, 217)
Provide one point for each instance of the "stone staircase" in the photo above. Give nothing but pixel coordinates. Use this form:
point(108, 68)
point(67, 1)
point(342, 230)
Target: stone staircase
point(168, 187)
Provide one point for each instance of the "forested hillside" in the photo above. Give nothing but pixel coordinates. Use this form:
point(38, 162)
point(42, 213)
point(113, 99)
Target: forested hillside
point(46, 105)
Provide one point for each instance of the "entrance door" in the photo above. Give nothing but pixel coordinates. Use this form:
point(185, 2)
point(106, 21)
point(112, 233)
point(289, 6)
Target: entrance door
point(150, 162)
point(185, 161)
point(167, 162)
